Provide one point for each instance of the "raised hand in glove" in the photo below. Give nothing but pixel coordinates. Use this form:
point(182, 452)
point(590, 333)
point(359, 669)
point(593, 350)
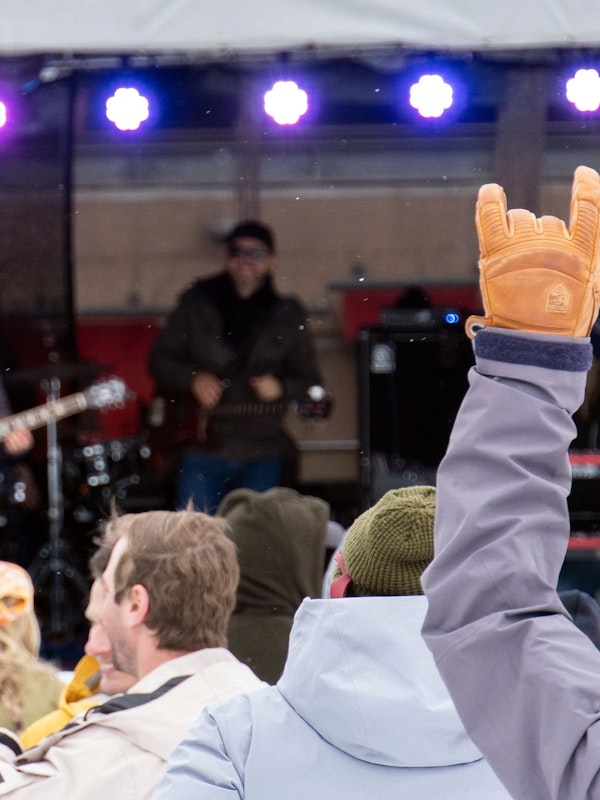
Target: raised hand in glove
point(535, 275)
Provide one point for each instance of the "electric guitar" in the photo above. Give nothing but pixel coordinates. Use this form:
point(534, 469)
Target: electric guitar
point(176, 423)
point(110, 393)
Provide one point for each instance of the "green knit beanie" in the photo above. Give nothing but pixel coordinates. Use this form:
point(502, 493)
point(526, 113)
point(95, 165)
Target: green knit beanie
point(388, 547)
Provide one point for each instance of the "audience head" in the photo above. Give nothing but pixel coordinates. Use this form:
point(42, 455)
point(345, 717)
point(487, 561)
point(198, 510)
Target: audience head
point(20, 667)
point(388, 547)
point(280, 538)
point(18, 623)
point(112, 681)
point(179, 570)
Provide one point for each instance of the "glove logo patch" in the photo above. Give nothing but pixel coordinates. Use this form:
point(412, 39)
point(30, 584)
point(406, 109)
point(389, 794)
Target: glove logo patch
point(558, 300)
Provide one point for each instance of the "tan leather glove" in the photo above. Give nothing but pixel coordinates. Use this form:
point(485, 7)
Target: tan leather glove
point(535, 275)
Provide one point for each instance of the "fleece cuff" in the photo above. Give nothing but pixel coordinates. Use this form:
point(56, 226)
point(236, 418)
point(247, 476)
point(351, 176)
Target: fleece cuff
point(536, 350)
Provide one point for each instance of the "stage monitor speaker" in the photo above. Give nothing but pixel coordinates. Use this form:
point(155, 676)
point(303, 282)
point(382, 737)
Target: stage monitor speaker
point(411, 386)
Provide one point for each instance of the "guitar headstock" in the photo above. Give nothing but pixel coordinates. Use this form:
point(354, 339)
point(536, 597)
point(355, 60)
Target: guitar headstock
point(111, 393)
point(317, 404)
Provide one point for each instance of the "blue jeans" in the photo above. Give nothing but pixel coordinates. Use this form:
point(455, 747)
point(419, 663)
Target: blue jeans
point(205, 480)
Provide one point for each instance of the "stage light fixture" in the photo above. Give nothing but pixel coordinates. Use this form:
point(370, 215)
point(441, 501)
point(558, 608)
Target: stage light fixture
point(583, 90)
point(431, 96)
point(3, 114)
point(127, 109)
point(286, 102)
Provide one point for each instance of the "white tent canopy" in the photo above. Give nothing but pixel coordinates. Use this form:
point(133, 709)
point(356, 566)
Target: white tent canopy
point(223, 26)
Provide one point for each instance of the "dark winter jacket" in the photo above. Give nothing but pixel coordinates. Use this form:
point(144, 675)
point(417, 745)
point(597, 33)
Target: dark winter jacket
point(213, 330)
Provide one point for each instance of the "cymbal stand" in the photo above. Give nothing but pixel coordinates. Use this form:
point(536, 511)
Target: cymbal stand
point(52, 564)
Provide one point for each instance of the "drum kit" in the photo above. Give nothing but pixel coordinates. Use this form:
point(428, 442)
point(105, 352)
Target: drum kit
point(85, 475)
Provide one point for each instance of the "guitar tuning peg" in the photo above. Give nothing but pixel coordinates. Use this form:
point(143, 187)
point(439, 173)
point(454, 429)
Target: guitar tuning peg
point(316, 393)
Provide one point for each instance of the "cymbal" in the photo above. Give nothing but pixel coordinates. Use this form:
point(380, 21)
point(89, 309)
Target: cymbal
point(63, 370)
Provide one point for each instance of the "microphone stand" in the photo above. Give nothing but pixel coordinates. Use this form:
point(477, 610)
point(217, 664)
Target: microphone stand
point(50, 564)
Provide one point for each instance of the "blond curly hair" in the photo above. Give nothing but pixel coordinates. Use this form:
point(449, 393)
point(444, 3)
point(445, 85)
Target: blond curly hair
point(19, 663)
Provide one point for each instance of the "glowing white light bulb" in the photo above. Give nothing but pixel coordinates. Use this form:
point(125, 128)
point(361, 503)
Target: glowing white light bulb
point(286, 102)
point(583, 90)
point(127, 109)
point(431, 96)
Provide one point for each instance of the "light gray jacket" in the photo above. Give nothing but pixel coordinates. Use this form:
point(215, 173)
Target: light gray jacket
point(525, 680)
point(360, 712)
point(122, 755)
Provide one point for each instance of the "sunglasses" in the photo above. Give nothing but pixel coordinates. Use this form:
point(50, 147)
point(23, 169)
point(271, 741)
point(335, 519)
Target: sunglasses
point(254, 255)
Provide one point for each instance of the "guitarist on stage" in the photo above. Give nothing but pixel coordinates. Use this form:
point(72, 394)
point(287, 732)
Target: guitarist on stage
point(239, 353)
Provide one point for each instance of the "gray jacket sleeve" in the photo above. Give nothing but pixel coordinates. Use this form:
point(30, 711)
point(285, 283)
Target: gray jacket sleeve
point(525, 680)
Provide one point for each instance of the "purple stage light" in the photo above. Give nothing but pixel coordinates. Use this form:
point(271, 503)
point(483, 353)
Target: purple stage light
point(583, 90)
point(286, 102)
point(431, 96)
point(127, 109)
point(3, 114)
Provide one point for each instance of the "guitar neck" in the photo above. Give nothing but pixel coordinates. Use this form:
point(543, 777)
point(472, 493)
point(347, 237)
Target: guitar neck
point(43, 415)
point(250, 409)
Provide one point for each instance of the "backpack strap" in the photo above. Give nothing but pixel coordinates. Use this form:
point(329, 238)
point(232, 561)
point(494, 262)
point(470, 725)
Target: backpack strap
point(124, 701)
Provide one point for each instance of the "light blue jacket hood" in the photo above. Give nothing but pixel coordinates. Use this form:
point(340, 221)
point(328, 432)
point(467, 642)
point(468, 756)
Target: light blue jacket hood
point(360, 712)
point(376, 696)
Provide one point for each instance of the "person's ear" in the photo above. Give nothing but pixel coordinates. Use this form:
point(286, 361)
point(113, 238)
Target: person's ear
point(138, 604)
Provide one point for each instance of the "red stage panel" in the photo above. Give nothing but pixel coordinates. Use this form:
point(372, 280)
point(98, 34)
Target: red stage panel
point(124, 343)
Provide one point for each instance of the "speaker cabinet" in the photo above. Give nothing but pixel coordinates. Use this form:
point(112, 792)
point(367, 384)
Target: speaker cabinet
point(411, 385)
